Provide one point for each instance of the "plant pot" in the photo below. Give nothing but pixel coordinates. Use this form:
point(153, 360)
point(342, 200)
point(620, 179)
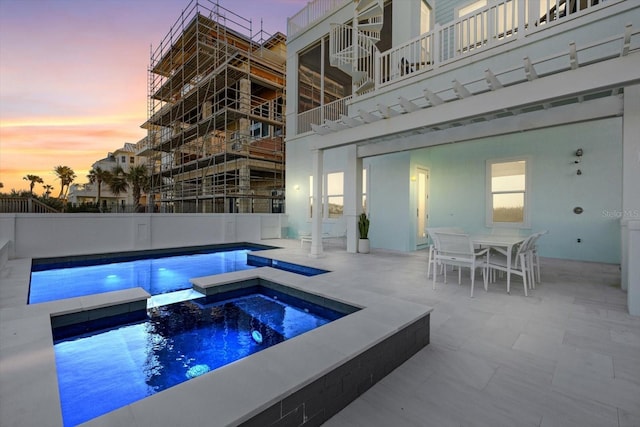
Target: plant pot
point(363, 246)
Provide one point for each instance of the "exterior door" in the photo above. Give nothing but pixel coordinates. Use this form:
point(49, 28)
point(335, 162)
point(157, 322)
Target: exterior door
point(422, 210)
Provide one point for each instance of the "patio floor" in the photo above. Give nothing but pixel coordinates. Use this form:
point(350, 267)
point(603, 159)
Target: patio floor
point(567, 355)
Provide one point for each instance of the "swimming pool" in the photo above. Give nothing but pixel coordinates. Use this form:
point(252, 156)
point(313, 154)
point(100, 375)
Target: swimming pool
point(102, 368)
point(157, 272)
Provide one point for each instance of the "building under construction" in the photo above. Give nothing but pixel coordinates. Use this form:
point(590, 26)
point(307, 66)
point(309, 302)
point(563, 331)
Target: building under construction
point(215, 140)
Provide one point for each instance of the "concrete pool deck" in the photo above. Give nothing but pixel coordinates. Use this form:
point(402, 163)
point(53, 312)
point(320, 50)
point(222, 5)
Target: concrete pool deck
point(566, 355)
point(249, 391)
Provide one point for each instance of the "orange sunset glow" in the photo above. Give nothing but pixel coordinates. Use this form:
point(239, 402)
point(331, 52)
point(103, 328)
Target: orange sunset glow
point(73, 78)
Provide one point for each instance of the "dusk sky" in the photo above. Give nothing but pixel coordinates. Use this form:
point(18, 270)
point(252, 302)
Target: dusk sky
point(73, 77)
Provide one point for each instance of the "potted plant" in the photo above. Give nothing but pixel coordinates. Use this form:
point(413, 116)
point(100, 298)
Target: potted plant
point(363, 228)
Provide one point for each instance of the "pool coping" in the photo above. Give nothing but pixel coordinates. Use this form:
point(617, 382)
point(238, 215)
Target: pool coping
point(231, 395)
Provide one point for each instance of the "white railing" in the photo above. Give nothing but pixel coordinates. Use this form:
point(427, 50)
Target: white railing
point(360, 64)
point(409, 58)
point(24, 205)
point(499, 22)
point(366, 64)
point(485, 27)
point(331, 111)
point(341, 46)
point(315, 10)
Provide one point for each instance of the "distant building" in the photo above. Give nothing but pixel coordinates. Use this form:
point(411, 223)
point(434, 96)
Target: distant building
point(124, 158)
point(215, 139)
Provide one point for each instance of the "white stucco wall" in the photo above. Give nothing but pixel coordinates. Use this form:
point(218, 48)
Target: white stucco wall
point(50, 235)
point(457, 184)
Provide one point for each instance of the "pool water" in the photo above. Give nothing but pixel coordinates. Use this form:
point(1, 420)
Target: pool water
point(100, 371)
point(154, 275)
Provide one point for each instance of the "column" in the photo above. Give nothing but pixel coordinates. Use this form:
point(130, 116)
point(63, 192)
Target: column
point(631, 198)
point(352, 196)
point(316, 220)
point(633, 268)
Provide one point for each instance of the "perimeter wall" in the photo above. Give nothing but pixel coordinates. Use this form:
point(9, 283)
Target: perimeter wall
point(50, 235)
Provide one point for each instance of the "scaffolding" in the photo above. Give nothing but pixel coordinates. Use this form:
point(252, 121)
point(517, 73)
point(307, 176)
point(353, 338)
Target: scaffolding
point(215, 124)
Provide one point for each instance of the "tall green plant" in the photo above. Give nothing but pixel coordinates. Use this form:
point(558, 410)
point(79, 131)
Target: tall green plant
point(363, 226)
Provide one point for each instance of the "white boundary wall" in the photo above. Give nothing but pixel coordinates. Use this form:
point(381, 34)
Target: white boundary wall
point(38, 235)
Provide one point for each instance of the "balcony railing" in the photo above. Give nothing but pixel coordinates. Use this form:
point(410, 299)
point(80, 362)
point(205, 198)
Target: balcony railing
point(331, 111)
point(24, 205)
point(407, 59)
point(314, 11)
point(501, 21)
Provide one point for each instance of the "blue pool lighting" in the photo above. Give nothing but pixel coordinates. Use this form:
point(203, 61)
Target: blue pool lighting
point(155, 272)
point(105, 364)
point(257, 336)
point(197, 370)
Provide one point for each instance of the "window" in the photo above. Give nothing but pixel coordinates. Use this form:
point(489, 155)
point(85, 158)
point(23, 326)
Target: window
point(123, 159)
point(312, 77)
point(507, 193)
point(425, 17)
point(470, 7)
point(335, 194)
point(132, 160)
point(259, 130)
point(364, 191)
point(311, 196)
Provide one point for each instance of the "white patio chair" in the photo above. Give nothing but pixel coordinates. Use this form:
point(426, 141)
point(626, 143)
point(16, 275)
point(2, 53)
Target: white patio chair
point(521, 263)
point(433, 247)
point(535, 260)
point(457, 250)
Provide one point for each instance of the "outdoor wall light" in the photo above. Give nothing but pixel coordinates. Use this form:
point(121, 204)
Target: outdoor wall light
point(579, 153)
point(579, 172)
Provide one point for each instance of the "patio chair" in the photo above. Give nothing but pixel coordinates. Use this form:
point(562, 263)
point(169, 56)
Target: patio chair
point(521, 264)
point(433, 247)
point(535, 260)
point(457, 250)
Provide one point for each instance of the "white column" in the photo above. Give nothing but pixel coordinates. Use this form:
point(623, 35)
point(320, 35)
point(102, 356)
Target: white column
point(633, 267)
point(352, 197)
point(631, 198)
point(631, 153)
point(316, 220)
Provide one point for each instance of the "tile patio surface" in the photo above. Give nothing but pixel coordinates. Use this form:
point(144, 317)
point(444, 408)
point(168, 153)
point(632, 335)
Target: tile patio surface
point(567, 355)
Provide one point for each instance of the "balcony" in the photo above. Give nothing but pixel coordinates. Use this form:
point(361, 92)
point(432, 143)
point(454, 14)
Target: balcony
point(498, 29)
point(310, 14)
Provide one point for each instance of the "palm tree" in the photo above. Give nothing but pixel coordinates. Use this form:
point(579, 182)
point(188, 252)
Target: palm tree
point(66, 176)
point(98, 175)
point(118, 181)
point(33, 179)
point(47, 190)
point(139, 180)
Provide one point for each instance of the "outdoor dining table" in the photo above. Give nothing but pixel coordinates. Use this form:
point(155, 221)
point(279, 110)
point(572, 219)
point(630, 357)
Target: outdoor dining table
point(502, 243)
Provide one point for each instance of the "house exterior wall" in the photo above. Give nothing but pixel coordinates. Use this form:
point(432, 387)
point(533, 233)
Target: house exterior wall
point(457, 166)
point(457, 188)
point(457, 196)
